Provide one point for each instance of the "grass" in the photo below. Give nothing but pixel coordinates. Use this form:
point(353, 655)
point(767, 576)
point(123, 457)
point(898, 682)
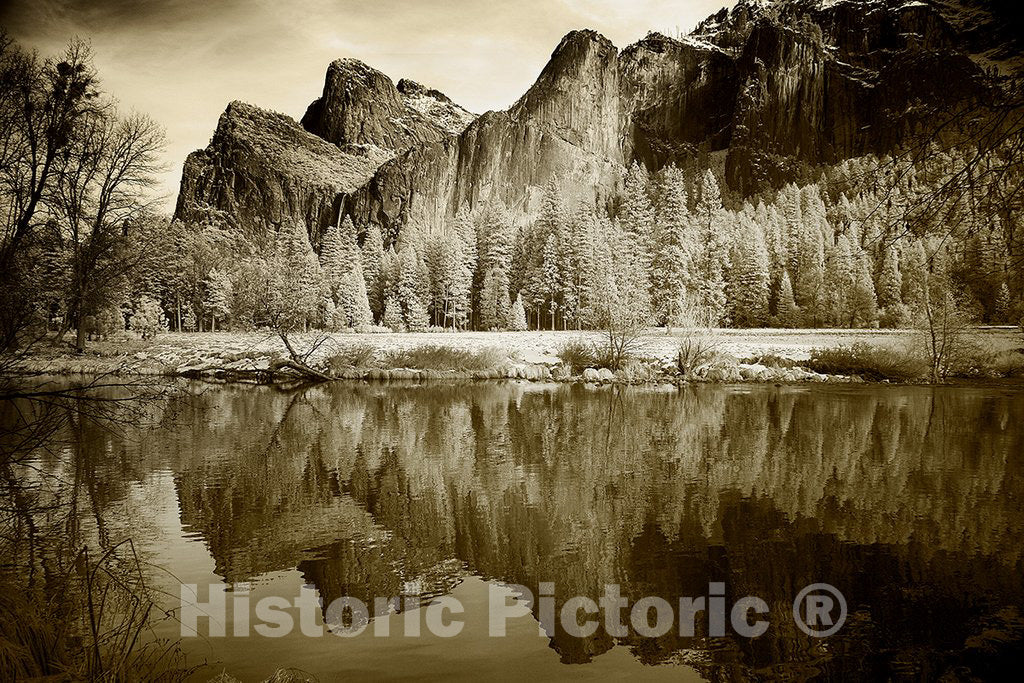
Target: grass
point(870, 362)
point(579, 355)
point(973, 359)
point(85, 625)
point(440, 357)
point(355, 355)
point(1008, 364)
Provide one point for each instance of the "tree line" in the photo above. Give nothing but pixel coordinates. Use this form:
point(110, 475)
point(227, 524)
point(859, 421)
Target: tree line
point(843, 251)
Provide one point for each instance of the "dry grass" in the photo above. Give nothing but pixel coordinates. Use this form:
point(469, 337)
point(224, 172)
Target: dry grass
point(871, 362)
point(352, 355)
point(771, 360)
point(578, 355)
point(441, 357)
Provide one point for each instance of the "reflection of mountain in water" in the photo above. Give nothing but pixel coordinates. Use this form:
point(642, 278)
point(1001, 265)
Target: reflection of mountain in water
point(908, 500)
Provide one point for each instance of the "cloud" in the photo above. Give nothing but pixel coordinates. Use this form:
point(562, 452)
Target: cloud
point(181, 61)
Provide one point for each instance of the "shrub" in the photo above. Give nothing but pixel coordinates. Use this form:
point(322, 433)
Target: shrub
point(440, 357)
point(1008, 364)
point(870, 362)
point(372, 329)
point(976, 360)
point(694, 351)
point(634, 371)
point(355, 355)
point(578, 355)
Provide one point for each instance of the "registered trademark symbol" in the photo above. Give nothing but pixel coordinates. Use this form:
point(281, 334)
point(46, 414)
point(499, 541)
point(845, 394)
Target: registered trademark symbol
point(812, 610)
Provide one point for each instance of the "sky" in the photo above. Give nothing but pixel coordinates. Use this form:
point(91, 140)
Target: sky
point(182, 61)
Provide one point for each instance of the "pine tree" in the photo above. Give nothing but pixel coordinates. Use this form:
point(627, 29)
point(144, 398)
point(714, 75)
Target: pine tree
point(465, 231)
point(915, 275)
point(148, 318)
point(551, 277)
point(636, 217)
point(774, 238)
point(188, 319)
point(344, 281)
point(711, 253)
point(749, 280)
point(863, 304)
point(807, 252)
point(494, 266)
point(352, 307)
point(517, 315)
point(450, 279)
point(219, 292)
point(892, 311)
point(295, 285)
point(1001, 307)
point(391, 269)
point(838, 284)
point(577, 264)
point(788, 203)
point(614, 290)
point(672, 256)
point(393, 314)
point(373, 269)
point(546, 248)
point(412, 289)
point(494, 300)
point(890, 282)
point(789, 314)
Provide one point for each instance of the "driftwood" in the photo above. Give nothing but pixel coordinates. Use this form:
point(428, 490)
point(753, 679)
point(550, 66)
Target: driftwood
point(293, 370)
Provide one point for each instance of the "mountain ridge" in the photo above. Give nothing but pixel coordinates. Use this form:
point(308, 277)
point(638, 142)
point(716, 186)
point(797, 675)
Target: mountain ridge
point(764, 89)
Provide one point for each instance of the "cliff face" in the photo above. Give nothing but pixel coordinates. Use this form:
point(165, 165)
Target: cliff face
point(566, 126)
point(773, 87)
point(679, 97)
point(262, 168)
point(823, 82)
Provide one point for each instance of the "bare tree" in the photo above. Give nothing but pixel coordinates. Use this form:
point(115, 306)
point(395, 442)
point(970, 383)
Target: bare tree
point(41, 106)
point(103, 189)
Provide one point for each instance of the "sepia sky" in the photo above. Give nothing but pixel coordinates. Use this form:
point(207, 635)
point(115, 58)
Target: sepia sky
point(182, 61)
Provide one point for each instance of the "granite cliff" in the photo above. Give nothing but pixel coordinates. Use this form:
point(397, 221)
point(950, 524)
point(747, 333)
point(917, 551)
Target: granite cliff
point(766, 90)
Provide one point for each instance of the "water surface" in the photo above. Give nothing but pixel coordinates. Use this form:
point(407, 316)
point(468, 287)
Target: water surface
point(908, 500)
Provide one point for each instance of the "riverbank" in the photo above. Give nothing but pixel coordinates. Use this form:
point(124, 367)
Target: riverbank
point(762, 355)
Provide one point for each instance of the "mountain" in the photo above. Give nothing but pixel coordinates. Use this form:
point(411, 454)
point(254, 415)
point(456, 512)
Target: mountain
point(762, 92)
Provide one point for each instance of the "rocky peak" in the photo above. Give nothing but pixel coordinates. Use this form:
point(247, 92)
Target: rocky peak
point(411, 88)
point(262, 167)
point(576, 96)
point(437, 107)
point(361, 106)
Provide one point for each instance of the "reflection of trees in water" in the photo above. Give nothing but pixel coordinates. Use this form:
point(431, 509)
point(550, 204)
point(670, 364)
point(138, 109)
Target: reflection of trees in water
point(901, 497)
point(74, 598)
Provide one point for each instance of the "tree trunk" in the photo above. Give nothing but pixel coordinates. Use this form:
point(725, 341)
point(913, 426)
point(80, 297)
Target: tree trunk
point(80, 338)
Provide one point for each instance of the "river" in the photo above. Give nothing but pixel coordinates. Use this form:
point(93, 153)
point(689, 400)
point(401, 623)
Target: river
point(906, 500)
